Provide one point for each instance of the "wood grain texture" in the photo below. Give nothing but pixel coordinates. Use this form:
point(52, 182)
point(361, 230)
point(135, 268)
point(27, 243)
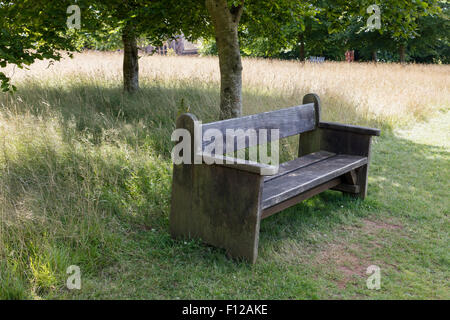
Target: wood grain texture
point(226, 210)
point(289, 121)
point(353, 143)
point(217, 204)
point(310, 142)
point(340, 142)
point(182, 185)
point(220, 206)
point(242, 164)
point(299, 198)
point(298, 163)
point(303, 179)
point(349, 128)
point(314, 99)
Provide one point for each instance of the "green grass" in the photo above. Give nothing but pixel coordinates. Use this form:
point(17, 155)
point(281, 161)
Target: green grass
point(85, 179)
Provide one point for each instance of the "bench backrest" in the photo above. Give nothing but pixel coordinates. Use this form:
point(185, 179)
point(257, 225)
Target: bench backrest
point(289, 122)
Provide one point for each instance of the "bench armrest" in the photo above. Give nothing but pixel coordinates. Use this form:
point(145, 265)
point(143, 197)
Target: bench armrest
point(240, 164)
point(349, 128)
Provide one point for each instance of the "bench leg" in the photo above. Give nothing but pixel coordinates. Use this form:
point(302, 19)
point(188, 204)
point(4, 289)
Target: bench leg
point(354, 183)
point(220, 206)
point(362, 174)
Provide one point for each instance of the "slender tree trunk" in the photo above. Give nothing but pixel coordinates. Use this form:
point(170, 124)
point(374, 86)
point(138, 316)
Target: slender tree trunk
point(302, 47)
point(226, 21)
point(374, 56)
point(130, 60)
point(402, 53)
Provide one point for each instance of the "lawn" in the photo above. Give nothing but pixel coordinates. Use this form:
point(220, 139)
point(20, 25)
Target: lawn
point(85, 179)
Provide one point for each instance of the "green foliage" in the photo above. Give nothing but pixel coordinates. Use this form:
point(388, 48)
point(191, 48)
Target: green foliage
point(31, 30)
point(208, 47)
point(432, 43)
point(328, 28)
point(101, 40)
point(155, 21)
point(37, 29)
point(271, 27)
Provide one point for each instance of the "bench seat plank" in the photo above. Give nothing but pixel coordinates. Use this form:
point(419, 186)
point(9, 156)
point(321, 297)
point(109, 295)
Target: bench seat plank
point(303, 179)
point(301, 162)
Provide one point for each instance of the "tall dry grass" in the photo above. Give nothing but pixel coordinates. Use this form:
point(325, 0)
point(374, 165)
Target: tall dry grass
point(81, 164)
point(392, 94)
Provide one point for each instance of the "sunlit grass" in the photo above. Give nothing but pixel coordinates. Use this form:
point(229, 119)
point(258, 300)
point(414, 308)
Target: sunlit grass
point(85, 176)
point(388, 93)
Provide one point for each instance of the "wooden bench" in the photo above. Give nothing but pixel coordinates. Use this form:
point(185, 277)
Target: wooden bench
point(223, 204)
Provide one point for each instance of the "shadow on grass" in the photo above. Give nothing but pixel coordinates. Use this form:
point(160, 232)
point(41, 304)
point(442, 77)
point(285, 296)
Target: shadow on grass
point(132, 196)
point(146, 118)
point(397, 192)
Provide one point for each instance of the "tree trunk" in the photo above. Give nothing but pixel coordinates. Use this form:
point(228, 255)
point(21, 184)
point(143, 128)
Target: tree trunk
point(402, 53)
point(130, 60)
point(302, 48)
point(374, 56)
point(226, 21)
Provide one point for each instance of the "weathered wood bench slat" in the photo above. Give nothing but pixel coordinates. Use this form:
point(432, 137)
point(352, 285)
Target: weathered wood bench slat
point(300, 197)
point(298, 181)
point(243, 165)
point(289, 122)
point(349, 128)
point(298, 163)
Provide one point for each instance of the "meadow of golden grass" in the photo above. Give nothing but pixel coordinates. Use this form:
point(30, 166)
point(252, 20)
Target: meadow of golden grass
point(388, 93)
point(85, 177)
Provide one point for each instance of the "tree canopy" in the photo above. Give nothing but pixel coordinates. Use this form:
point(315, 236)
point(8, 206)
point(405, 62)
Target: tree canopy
point(328, 28)
point(32, 30)
point(414, 30)
point(38, 29)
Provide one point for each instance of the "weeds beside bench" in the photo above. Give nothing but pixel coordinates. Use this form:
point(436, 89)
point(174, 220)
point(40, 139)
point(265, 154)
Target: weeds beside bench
point(223, 204)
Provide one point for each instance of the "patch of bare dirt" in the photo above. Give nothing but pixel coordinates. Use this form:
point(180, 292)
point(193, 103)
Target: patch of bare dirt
point(349, 257)
point(352, 260)
point(371, 226)
point(346, 258)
